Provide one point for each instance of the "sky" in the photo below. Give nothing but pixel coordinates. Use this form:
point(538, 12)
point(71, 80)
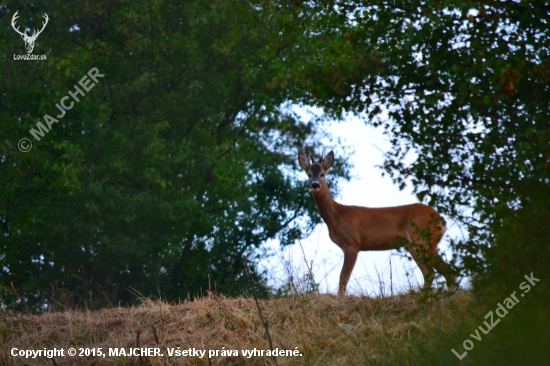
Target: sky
point(371, 275)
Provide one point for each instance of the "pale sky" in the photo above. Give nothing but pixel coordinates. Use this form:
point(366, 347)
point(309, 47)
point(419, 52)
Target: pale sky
point(366, 188)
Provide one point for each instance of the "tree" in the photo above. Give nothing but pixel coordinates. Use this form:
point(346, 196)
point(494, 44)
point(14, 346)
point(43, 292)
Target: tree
point(466, 87)
point(179, 161)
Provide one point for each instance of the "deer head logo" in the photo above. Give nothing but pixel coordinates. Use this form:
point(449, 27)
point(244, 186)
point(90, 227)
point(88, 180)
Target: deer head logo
point(29, 40)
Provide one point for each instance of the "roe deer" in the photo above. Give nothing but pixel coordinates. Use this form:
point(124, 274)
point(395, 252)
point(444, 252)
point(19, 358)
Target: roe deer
point(417, 227)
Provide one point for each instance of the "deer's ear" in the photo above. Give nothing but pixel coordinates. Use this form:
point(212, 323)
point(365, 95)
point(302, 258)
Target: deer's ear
point(302, 159)
point(327, 161)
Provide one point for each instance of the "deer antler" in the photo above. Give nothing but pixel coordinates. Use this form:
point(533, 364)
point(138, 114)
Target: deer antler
point(13, 19)
point(36, 33)
point(312, 158)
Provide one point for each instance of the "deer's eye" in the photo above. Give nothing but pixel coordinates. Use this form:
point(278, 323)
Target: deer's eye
point(322, 175)
point(309, 175)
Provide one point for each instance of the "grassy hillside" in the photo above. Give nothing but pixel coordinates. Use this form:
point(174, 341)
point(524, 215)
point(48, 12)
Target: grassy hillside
point(326, 329)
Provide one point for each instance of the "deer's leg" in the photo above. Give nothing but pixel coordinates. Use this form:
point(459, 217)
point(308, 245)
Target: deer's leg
point(350, 257)
point(443, 268)
point(434, 260)
point(426, 270)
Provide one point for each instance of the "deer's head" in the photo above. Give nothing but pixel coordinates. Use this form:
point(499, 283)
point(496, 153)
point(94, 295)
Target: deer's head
point(316, 171)
point(29, 40)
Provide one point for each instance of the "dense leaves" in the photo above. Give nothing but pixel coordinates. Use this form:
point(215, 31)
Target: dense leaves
point(180, 161)
point(465, 86)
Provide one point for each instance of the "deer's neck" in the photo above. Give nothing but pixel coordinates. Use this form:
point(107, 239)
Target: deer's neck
point(325, 204)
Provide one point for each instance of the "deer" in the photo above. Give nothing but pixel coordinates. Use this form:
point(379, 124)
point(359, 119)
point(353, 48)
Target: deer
point(417, 227)
point(29, 40)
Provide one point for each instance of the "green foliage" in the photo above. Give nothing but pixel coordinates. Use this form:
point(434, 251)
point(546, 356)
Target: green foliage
point(465, 86)
point(180, 161)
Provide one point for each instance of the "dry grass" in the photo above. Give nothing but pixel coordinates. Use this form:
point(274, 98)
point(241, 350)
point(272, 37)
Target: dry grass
point(328, 330)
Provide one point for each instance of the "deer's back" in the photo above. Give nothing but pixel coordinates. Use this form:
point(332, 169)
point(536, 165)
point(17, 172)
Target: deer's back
point(385, 227)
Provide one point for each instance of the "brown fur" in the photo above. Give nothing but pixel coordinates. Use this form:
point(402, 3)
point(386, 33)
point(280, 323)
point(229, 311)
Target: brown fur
point(417, 227)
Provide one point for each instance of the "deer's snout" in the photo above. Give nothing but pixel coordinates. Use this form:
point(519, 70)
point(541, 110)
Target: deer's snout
point(315, 185)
